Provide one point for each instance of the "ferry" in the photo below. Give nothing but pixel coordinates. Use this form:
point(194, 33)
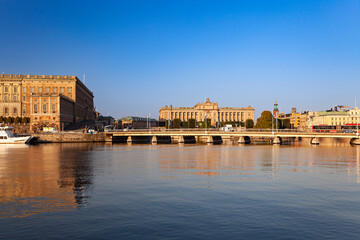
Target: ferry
point(6, 136)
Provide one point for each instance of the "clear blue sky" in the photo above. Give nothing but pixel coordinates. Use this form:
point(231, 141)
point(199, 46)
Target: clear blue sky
point(141, 55)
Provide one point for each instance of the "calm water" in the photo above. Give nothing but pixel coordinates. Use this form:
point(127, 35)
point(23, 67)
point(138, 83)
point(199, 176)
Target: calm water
point(82, 191)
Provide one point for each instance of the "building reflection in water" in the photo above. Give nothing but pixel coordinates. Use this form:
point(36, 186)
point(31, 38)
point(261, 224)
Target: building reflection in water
point(207, 161)
point(269, 159)
point(41, 179)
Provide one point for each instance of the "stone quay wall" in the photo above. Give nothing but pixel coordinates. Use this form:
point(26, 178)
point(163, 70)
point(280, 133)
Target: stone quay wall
point(69, 137)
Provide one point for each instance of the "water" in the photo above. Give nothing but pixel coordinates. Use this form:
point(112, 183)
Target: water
point(98, 191)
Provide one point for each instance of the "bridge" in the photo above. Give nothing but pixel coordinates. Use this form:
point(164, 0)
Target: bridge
point(241, 137)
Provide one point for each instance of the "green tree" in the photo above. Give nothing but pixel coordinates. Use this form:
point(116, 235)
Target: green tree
point(168, 124)
point(284, 123)
point(176, 123)
point(191, 123)
point(2, 119)
point(265, 120)
point(17, 120)
point(9, 120)
point(184, 124)
point(249, 123)
point(208, 123)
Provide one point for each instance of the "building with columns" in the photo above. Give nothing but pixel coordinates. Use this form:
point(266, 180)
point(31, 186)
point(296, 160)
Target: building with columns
point(47, 100)
point(208, 109)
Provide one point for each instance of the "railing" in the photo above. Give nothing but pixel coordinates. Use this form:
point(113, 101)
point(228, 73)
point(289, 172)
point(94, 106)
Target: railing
point(37, 76)
point(239, 130)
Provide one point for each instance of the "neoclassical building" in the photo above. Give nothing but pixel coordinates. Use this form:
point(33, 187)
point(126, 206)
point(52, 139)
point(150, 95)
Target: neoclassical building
point(208, 109)
point(48, 100)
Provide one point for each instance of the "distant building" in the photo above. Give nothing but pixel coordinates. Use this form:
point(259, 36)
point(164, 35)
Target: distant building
point(295, 118)
point(337, 118)
point(47, 100)
point(208, 110)
point(138, 122)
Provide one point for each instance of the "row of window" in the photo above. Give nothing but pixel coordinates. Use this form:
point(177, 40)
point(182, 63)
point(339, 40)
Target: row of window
point(7, 97)
point(6, 89)
point(47, 89)
point(44, 108)
point(6, 111)
point(225, 115)
point(39, 89)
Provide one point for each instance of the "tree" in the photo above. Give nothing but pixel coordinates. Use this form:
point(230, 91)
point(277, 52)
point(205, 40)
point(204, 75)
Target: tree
point(184, 124)
point(284, 123)
point(265, 120)
point(191, 123)
point(176, 123)
point(208, 123)
point(17, 120)
point(9, 120)
point(249, 123)
point(2, 119)
point(168, 124)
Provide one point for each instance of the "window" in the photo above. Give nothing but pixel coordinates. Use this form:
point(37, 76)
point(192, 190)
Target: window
point(47, 89)
point(24, 89)
point(24, 98)
point(15, 98)
point(54, 89)
point(32, 89)
point(54, 108)
point(69, 89)
point(15, 89)
point(24, 111)
point(44, 108)
point(15, 111)
point(62, 89)
point(39, 89)
point(6, 89)
point(35, 108)
point(6, 98)
point(6, 110)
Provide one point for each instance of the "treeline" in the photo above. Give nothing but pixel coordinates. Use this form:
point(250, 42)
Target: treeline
point(266, 120)
point(14, 119)
point(192, 123)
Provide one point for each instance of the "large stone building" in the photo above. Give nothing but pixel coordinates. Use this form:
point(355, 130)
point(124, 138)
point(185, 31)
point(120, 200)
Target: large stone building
point(47, 100)
point(207, 109)
point(336, 118)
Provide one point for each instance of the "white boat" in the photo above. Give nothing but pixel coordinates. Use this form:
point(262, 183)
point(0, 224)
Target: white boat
point(6, 136)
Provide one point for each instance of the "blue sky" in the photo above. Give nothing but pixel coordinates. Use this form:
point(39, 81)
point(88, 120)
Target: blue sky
point(141, 55)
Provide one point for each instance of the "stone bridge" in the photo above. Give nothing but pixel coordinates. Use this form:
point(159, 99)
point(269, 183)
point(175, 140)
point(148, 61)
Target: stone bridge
point(241, 137)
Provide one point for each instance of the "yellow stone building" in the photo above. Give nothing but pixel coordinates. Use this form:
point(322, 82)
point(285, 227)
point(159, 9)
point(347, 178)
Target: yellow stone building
point(47, 100)
point(207, 109)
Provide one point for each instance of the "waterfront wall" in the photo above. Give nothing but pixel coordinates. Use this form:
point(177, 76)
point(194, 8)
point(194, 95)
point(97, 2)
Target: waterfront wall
point(69, 137)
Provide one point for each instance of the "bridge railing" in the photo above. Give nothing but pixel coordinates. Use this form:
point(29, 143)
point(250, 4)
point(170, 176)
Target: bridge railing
point(236, 130)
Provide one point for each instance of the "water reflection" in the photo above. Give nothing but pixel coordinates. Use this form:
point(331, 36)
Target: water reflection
point(40, 179)
point(272, 160)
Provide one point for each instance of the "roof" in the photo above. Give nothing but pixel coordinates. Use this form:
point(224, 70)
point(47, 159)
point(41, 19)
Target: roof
point(332, 113)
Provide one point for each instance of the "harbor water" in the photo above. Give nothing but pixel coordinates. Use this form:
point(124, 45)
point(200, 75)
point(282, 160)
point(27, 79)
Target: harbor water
point(122, 191)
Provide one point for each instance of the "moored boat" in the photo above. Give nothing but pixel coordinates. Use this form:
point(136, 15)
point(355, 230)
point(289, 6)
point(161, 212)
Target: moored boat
point(7, 137)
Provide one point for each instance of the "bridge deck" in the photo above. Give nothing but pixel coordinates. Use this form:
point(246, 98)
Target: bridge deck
point(234, 134)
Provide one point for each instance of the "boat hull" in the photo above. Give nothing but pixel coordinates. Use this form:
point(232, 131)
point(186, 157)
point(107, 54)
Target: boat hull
point(16, 140)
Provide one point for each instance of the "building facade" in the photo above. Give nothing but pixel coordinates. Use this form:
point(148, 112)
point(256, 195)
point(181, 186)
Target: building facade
point(208, 110)
point(336, 118)
point(47, 100)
